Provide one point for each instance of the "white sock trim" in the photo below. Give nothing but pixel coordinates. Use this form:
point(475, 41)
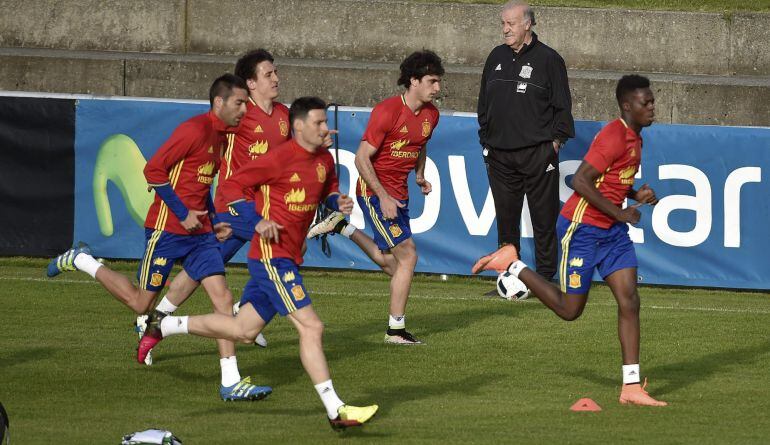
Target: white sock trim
point(348, 230)
point(397, 321)
point(172, 325)
point(87, 264)
point(230, 373)
point(631, 374)
point(516, 267)
point(166, 306)
point(329, 397)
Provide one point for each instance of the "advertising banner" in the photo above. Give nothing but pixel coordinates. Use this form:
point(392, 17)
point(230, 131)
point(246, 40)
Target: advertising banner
point(707, 230)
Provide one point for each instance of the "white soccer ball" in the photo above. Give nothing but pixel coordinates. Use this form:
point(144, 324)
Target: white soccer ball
point(511, 288)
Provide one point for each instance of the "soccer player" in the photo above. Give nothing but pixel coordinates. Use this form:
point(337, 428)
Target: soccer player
point(265, 125)
point(181, 223)
point(393, 145)
point(291, 181)
point(594, 233)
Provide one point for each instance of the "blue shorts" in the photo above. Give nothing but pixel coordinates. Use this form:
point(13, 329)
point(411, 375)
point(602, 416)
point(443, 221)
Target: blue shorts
point(388, 233)
point(586, 247)
point(275, 287)
point(199, 254)
point(242, 234)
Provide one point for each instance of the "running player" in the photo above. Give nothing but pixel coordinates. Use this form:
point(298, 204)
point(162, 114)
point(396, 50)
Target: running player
point(594, 232)
point(181, 223)
point(291, 180)
point(393, 145)
point(265, 125)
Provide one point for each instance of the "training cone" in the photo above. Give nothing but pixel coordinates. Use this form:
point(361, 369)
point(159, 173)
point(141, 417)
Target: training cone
point(585, 404)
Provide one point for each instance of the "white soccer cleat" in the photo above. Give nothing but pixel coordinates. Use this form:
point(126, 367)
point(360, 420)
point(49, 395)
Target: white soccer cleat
point(334, 222)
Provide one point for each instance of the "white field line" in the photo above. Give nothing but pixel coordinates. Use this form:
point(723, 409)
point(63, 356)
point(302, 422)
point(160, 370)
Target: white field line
point(432, 297)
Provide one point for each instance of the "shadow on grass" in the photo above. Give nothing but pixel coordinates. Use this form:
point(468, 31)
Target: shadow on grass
point(684, 373)
point(23, 356)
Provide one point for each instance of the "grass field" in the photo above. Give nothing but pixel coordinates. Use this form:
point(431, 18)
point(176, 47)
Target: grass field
point(492, 371)
point(674, 5)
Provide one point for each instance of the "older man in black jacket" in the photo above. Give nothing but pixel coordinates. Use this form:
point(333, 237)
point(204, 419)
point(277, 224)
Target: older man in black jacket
point(525, 117)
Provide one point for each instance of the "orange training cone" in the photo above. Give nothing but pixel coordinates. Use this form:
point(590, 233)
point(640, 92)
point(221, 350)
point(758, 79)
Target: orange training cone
point(585, 404)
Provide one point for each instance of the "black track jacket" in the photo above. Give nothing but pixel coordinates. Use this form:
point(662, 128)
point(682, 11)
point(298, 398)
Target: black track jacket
point(524, 99)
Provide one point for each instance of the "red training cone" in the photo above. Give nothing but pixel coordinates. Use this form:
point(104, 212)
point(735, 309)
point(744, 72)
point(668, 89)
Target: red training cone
point(585, 404)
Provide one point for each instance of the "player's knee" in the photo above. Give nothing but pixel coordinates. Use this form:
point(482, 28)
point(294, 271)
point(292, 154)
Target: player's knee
point(630, 305)
point(223, 302)
point(312, 329)
point(571, 315)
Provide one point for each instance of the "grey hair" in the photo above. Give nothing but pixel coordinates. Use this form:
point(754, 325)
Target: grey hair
point(528, 13)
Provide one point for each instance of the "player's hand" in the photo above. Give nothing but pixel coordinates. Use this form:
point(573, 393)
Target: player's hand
point(389, 206)
point(425, 186)
point(629, 214)
point(329, 139)
point(193, 222)
point(223, 231)
point(556, 146)
point(268, 230)
point(645, 195)
point(345, 204)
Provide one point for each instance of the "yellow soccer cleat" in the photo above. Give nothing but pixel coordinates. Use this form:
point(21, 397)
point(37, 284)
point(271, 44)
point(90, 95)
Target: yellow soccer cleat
point(352, 416)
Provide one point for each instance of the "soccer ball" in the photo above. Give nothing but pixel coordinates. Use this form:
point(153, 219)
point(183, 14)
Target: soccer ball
point(511, 288)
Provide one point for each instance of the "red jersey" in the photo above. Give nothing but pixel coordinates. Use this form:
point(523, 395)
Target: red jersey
point(289, 183)
point(257, 132)
point(616, 152)
point(399, 135)
point(187, 161)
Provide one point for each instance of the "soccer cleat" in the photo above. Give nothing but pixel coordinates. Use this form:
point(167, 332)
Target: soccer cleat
point(152, 336)
point(66, 261)
point(352, 416)
point(260, 341)
point(499, 260)
point(401, 337)
point(244, 391)
point(140, 328)
point(334, 222)
point(636, 395)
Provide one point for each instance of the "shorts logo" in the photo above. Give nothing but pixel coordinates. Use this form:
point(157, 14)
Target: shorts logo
point(295, 178)
point(232, 211)
point(284, 127)
point(576, 262)
point(404, 129)
point(321, 172)
point(160, 261)
point(395, 230)
point(298, 292)
point(288, 276)
point(574, 280)
point(156, 279)
point(426, 128)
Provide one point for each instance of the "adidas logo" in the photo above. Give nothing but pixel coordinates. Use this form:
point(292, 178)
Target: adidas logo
point(258, 129)
point(295, 178)
point(498, 67)
point(403, 129)
point(632, 373)
point(211, 149)
point(550, 168)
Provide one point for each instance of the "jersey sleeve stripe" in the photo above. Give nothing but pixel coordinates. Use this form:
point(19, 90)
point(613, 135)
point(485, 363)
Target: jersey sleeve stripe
point(229, 154)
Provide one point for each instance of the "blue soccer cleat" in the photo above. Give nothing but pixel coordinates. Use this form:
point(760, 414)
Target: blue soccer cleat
point(66, 261)
point(244, 391)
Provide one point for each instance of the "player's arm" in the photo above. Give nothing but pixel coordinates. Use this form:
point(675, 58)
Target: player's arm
point(645, 195)
point(561, 101)
point(222, 230)
point(388, 204)
point(157, 170)
point(255, 173)
point(481, 108)
point(419, 172)
point(584, 184)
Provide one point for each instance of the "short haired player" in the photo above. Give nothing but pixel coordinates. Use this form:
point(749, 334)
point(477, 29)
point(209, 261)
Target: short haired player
point(594, 232)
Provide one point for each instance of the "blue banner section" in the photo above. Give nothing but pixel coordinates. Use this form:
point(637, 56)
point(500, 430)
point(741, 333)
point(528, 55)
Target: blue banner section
point(709, 228)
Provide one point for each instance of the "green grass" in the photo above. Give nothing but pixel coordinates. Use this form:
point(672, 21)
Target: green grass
point(673, 5)
point(492, 371)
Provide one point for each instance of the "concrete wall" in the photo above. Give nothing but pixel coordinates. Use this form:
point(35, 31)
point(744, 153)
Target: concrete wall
point(680, 99)
point(387, 30)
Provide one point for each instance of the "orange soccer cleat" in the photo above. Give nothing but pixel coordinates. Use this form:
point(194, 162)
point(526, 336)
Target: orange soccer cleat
point(498, 260)
point(636, 395)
